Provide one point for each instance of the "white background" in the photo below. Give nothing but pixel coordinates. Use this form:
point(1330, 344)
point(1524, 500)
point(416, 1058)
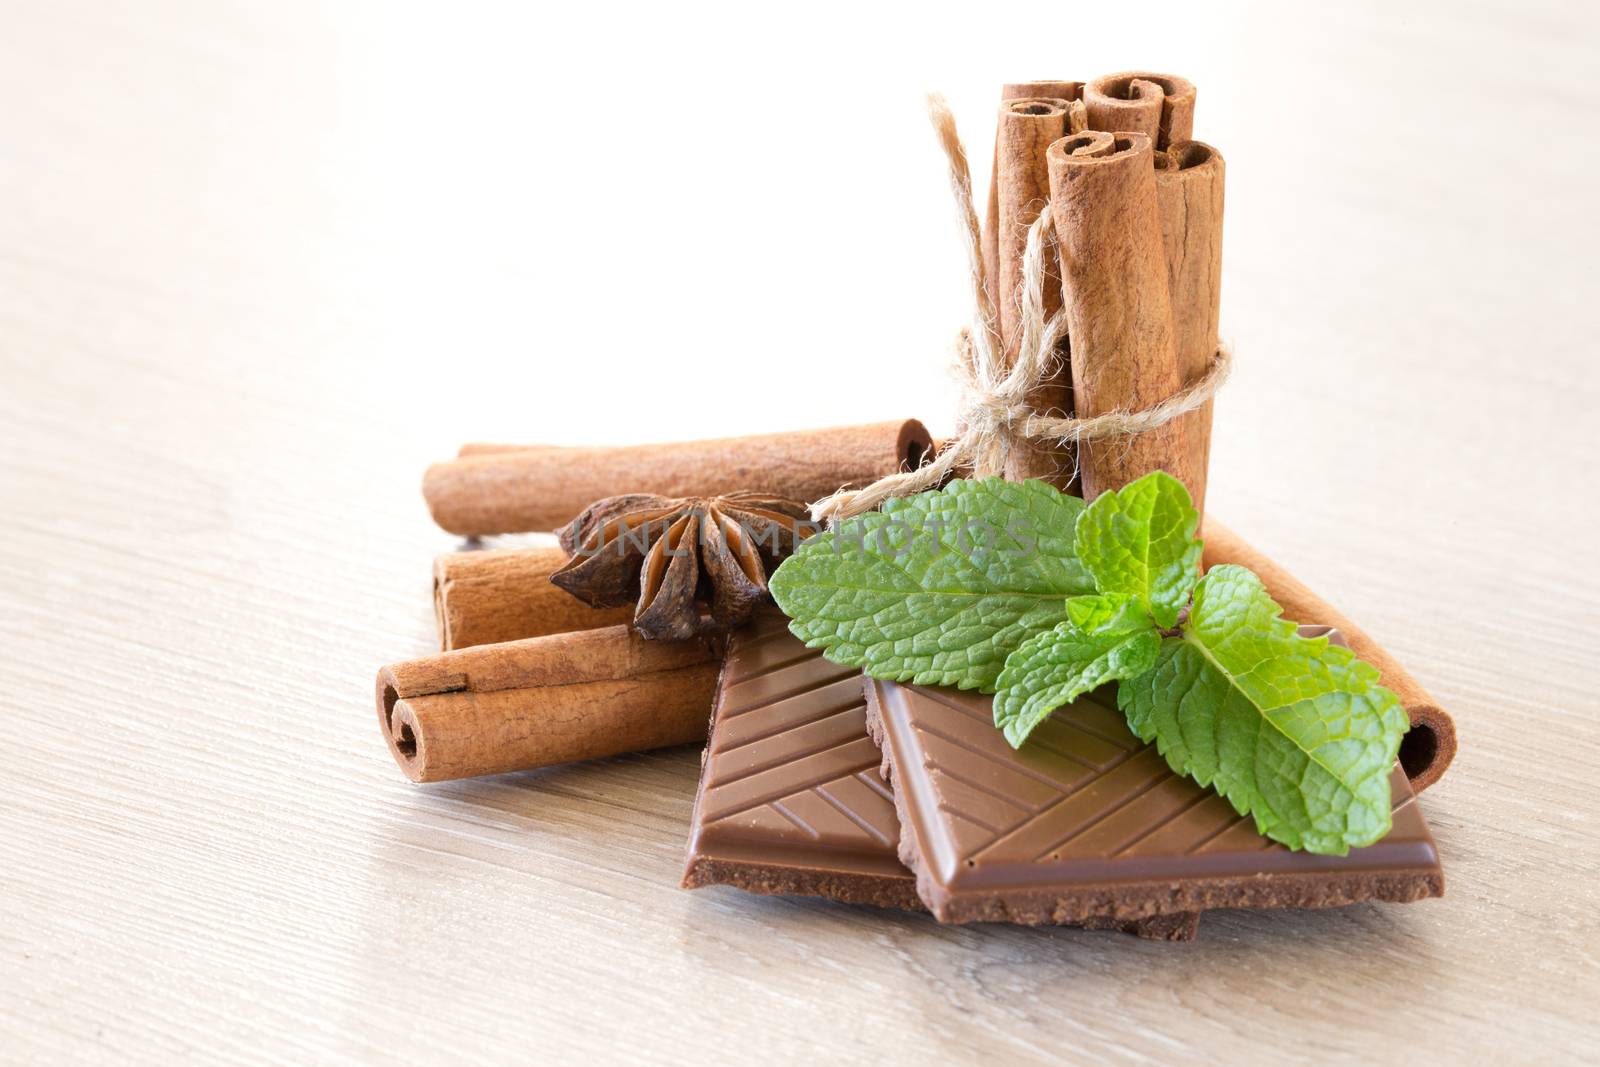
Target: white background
point(261, 262)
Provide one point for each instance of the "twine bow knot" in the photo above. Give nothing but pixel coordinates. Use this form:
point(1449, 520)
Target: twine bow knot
point(995, 413)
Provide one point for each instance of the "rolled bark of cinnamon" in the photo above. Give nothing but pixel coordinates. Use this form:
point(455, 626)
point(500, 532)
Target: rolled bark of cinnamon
point(1430, 745)
point(484, 597)
point(1119, 312)
point(1027, 128)
point(1189, 181)
point(542, 487)
point(1054, 90)
point(488, 448)
point(1160, 106)
point(546, 700)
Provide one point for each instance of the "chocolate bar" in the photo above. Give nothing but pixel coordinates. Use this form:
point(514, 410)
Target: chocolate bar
point(791, 800)
point(1085, 822)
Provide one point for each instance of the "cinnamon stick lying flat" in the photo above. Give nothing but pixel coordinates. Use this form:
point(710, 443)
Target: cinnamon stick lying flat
point(546, 700)
point(517, 490)
point(486, 448)
point(1430, 745)
point(483, 597)
point(1119, 313)
point(1160, 106)
point(1189, 178)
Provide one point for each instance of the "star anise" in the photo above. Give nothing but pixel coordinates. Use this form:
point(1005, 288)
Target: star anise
point(690, 564)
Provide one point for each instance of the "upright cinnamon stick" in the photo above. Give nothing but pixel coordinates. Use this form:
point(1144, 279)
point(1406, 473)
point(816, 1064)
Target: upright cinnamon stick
point(1119, 314)
point(1051, 90)
point(483, 597)
point(546, 700)
point(1027, 128)
point(1189, 180)
point(1160, 106)
point(542, 487)
point(1426, 751)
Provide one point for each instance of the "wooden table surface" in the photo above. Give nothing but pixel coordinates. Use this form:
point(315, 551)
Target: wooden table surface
point(260, 263)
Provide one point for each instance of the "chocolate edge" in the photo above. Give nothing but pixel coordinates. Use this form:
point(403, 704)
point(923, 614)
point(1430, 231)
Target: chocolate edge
point(700, 783)
point(933, 896)
point(770, 879)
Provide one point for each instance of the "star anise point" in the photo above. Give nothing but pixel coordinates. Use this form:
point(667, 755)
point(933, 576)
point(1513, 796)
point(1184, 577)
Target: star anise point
point(689, 565)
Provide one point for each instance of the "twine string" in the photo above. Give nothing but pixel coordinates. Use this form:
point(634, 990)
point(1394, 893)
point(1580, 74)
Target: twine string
point(996, 415)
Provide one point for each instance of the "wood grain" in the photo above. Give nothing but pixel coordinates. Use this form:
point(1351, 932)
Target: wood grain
point(239, 245)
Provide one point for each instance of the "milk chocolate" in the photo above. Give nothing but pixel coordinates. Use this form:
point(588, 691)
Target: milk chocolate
point(790, 799)
point(1086, 823)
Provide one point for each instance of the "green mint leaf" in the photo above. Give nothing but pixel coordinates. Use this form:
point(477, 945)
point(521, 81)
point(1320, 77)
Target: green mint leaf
point(1060, 665)
point(1108, 613)
point(1292, 730)
point(1140, 540)
point(937, 588)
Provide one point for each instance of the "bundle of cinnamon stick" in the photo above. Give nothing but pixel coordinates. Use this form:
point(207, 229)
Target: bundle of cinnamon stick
point(530, 676)
point(1137, 212)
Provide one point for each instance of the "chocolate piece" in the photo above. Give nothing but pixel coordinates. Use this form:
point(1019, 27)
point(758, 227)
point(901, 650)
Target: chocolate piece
point(790, 798)
point(1087, 823)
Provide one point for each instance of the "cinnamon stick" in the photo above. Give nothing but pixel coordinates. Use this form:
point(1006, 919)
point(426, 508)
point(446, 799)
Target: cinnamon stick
point(1430, 745)
point(1026, 130)
point(483, 597)
point(1160, 106)
point(1027, 127)
point(543, 487)
point(1119, 313)
point(1054, 90)
point(1189, 180)
point(486, 448)
point(545, 700)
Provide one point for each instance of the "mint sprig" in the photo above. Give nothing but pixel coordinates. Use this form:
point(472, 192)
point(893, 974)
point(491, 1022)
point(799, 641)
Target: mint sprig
point(937, 588)
point(1020, 590)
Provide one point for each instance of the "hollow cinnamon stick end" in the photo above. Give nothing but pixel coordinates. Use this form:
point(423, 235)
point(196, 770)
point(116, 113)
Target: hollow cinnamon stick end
point(401, 730)
point(1160, 106)
point(1187, 155)
point(1428, 747)
point(441, 609)
point(914, 445)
